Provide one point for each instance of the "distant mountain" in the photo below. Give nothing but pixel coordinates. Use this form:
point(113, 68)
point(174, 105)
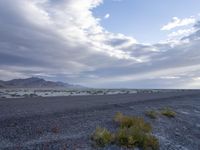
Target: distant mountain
point(36, 83)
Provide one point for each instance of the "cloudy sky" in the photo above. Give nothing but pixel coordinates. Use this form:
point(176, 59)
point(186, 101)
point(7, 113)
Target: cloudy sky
point(102, 43)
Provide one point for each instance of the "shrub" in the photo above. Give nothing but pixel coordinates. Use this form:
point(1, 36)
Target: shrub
point(132, 121)
point(168, 112)
point(124, 137)
point(129, 137)
point(150, 142)
point(151, 114)
point(118, 117)
point(133, 132)
point(123, 121)
point(133, 137)
point(102, 137)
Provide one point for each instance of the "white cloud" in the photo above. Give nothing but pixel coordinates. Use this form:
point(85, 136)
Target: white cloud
point(107, 16)
point(196, 78)
point(176, 22)
point(174, 37)
point(117, 0)
point(170, 77)
point(163, 74)
point(8, 75)
point(182, 32)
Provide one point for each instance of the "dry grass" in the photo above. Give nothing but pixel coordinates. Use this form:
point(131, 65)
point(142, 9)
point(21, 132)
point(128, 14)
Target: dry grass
point(150, 143)
point(125, 137)
point(168, 113)
point(132, 132)
point(102, 137)
point(151, 114)
point(131, 137)
point(132, 121)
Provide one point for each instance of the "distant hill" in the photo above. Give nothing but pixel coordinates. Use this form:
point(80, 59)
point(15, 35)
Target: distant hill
point(36, 83)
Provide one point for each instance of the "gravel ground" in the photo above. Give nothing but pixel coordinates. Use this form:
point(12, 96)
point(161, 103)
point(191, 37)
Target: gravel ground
point(61, 123)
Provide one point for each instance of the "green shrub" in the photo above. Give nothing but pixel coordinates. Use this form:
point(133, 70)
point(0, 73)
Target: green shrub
point(132, 121)
point(133, 137)
point(151, 114)
point(150, 143)
point(132, 132)
point(118, 117)
point(123, 137)
point(102, 137)
point(168, 112)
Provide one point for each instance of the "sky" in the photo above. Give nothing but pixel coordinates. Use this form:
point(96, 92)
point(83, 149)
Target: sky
point(102, 43)
point(143, 19)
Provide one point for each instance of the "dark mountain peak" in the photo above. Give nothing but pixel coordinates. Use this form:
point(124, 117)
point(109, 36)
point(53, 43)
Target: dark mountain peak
point(33, 78)
point(26, 79)
point(35, 82)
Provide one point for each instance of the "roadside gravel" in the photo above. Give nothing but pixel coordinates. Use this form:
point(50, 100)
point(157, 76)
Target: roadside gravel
point(70, 126)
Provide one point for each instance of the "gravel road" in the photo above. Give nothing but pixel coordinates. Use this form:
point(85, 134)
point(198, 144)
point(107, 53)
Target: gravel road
point(59, 123)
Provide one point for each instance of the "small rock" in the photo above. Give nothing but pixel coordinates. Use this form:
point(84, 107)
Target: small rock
point(198, 125)
point(177, 133)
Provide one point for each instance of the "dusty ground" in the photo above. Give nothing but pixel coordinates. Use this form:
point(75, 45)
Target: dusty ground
point(66, 122)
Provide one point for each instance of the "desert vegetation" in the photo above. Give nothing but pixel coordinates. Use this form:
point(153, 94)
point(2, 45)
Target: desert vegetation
point(132, 132)
point(102, 137)
point(151, 114)
point(168, 112)
point(164, 111)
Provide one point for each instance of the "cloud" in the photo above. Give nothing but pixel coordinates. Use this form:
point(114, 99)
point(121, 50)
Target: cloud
point(56, 34)
point(179, 34)
point(182, 32)
point(107, 16)
point(170, 77)
point(176, 22)
point(117, 0)
point(62, 40)
point(194, 36)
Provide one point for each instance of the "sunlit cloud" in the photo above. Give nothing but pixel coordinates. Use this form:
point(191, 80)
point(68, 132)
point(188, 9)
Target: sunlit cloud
point(107, 16)
point(176, 22)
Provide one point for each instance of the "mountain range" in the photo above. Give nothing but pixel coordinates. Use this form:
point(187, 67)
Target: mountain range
point(35, 82)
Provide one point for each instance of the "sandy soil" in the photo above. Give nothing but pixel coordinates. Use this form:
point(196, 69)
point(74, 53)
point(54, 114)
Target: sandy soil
point(66, 122)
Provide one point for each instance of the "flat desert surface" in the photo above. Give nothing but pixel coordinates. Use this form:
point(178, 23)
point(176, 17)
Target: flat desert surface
point(59, 123)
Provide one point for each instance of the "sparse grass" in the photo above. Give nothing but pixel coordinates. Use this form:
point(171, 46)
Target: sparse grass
point(168, 112)
point(102, 137)
point(132, 137)
point(151, 114)
point(132, 132)
point(132, 121)
point(125, 137)
point(150, 143)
